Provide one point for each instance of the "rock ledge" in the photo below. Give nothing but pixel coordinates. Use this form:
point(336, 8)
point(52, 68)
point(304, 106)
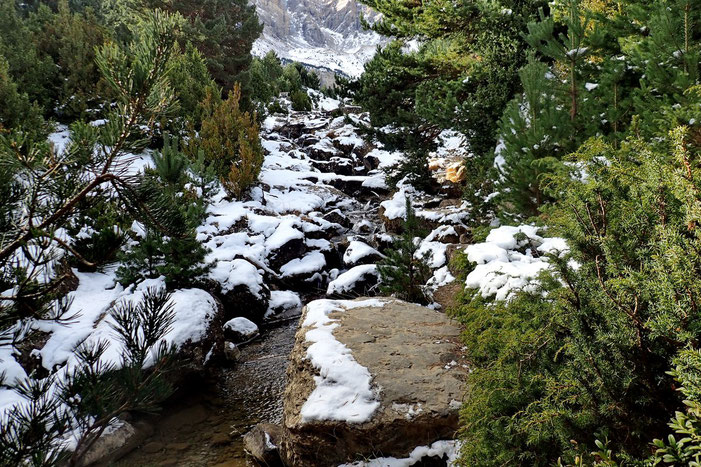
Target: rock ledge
point(418, 372)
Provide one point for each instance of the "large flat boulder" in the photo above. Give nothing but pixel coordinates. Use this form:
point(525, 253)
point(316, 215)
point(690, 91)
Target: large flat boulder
point(371, 378)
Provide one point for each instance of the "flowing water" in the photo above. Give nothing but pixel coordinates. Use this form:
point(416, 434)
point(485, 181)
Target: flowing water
point(205, 425)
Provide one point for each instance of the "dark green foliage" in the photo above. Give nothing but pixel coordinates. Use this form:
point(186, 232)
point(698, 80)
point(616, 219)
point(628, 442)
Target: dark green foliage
point(171, 213)
point(30, 67)
point(300, 100)
point(577, 372)
point(98, 231)
point(568, 48)
point(70, 39)
point(269, 78)
point(591, 359)
point(685, 447)
point(308, 78)
point(265, 74)
point(223, 31)
point(388, 85)
point(275, 107)
point(536, 132)
point(17, 113)
point(343, 88)
point(404, 272)
point(191, 81)
point(461, 77)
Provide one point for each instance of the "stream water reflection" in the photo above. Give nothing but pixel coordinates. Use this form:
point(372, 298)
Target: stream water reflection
point(205, 426)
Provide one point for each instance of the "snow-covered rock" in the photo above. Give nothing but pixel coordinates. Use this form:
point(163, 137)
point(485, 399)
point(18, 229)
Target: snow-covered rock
point(240, 329)
point(351, 392)
point(243, 288)
point(359, 280)
point(359, 253)
point(282, 301)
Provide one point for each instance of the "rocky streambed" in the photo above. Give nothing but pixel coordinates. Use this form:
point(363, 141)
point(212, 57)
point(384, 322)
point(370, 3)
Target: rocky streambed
point(321, 218)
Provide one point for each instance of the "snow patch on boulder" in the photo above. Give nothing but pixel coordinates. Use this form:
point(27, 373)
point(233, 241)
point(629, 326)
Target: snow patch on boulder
point(448, 450)
point(350, 280)
point(343, 387)
point(241, 328)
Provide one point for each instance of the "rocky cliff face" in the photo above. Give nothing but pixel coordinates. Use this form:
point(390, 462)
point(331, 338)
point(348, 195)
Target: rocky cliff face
point(319, 33)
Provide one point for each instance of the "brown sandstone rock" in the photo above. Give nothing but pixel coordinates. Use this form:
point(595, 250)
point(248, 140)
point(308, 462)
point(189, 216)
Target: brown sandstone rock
point(413, 354)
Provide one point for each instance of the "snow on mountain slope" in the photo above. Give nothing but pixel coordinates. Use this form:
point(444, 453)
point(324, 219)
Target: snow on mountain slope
point(319, 33)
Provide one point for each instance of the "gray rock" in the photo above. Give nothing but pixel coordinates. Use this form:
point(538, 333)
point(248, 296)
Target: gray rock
point(337, 217)
point(262, 443)
point(114, 444)
point(242, 299)
point(231, 351)
point(413, 354)
point(240, 329)
point(293, 248)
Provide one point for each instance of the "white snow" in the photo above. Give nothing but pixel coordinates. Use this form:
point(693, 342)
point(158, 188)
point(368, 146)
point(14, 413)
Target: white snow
point(95, 293)
point(344, 389)
point(193, 311)
point(434, 253)
point(60, 139)
point(284, 233)
point(448, 448)
point(356, 251)
point(440, 277)
point(282, 300)
point(241, 325)
point(346, 281)
point(501, 270)
point(238, 272)
point(312, 262)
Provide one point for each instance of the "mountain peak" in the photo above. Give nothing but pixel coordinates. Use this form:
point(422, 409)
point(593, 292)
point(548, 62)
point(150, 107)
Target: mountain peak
point(320, 33)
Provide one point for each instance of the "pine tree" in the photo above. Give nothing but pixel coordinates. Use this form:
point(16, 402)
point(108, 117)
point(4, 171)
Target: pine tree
point(404, 272)
point(568, 48)
point(55, 185)
point(224, 32)
point(17, 113)
point(34, 71)
point(70, 39)
point(535, 132)
point(171, 213)
point(668, 54)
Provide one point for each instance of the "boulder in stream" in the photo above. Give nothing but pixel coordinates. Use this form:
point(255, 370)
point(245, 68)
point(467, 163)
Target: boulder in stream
point(262, 443)
point(240, 329)
point(369, 378)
